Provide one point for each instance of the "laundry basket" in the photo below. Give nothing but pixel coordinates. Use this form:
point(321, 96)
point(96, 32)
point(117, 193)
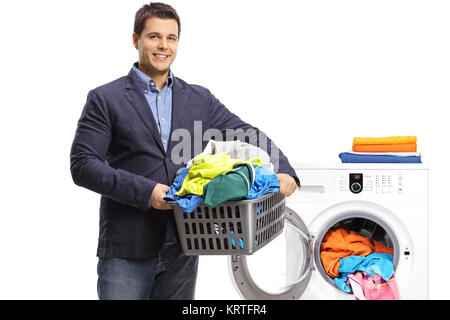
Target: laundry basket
point(235, 227)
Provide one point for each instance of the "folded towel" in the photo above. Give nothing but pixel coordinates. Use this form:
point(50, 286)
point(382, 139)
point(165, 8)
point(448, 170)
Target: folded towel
point(397, 154)
point(385, 140)
point(386, 148)
point(360, 158)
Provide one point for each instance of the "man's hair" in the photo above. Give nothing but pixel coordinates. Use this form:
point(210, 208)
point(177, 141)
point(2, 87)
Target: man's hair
point(154, 9)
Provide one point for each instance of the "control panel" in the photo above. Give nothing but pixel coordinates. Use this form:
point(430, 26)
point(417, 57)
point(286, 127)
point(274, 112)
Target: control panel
point(400, 185)
point(382, 183)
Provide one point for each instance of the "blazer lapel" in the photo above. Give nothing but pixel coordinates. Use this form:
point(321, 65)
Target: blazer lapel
point(140, 104)
point(180, 114)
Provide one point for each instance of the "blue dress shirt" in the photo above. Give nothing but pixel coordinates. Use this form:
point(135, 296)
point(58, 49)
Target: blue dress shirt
point(160, 102)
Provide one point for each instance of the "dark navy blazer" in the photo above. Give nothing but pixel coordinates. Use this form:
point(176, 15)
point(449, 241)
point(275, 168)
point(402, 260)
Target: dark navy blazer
point(117, 152)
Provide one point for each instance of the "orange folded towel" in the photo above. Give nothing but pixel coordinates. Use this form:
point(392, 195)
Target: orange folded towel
point(341, 243)
point(386, 148)
point(385, 140)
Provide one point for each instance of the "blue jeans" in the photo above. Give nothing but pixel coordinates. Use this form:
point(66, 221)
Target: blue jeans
point(170, 275)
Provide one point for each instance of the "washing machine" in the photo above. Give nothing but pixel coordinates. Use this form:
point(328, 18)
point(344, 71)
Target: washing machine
point(385, 202)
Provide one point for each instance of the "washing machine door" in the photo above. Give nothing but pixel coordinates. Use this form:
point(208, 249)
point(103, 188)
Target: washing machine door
point(281, 269)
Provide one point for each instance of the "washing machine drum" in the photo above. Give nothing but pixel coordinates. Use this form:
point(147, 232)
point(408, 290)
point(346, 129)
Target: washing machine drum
point(280, 270)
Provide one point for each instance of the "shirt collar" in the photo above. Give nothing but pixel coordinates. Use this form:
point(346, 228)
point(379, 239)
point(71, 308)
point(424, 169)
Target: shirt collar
point(146, 82)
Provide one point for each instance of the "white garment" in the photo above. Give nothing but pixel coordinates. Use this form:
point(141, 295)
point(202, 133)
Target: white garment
point(236, 150)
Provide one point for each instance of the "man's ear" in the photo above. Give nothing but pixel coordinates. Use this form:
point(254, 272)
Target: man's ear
point(135, 40)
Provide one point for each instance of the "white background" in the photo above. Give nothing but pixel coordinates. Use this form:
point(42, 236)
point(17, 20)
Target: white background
point(311, 74)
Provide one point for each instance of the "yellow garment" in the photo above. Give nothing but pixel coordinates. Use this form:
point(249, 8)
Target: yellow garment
point(385, 140)
point(207, 167)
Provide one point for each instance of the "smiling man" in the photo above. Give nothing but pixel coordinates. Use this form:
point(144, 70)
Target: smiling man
point(122, 150)
point(156, 40)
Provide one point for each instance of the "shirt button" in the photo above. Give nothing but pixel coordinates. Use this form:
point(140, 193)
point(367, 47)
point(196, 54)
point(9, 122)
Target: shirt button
point(162, 119)
point(164, 141)
point(152, 83)
point(145, 91)
point(159, 97)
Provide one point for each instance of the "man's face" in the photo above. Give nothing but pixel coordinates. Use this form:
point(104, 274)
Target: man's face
point(157, 45)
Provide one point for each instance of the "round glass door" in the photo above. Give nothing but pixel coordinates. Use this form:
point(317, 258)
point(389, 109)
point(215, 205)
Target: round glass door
point(280, 270)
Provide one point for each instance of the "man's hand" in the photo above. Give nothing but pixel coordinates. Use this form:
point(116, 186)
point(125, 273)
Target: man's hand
point(287, 184)
point(156, 200)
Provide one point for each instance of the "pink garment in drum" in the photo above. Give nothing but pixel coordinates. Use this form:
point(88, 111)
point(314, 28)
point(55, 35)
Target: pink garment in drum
point(374, 287)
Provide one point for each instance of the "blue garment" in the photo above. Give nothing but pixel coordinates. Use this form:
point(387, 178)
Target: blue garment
point(374, 263)
point(189, 202)
point(265, 182)
point(233, 241)
point(362, 158)
point(160, 102)
point(169, 275)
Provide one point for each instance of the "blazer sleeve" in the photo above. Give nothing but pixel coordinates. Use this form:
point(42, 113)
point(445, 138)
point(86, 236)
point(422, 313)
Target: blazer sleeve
point(223, 119)
point(88, 164)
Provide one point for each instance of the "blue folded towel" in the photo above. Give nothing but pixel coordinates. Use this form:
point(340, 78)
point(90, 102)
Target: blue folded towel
point(362, 158)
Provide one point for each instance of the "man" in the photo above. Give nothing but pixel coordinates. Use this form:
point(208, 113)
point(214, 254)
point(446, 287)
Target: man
point(122, 150)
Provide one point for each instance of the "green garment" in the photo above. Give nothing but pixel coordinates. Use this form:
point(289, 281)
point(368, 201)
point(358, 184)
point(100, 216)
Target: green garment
point(207, 167)
point(233, 185)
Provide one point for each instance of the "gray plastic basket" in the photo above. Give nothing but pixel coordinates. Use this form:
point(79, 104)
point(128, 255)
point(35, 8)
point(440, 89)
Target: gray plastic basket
point(235, 227)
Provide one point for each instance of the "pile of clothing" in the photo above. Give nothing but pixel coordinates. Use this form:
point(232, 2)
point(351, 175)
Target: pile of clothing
point(397, 149)
point(224, 171)
point(359, 265)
